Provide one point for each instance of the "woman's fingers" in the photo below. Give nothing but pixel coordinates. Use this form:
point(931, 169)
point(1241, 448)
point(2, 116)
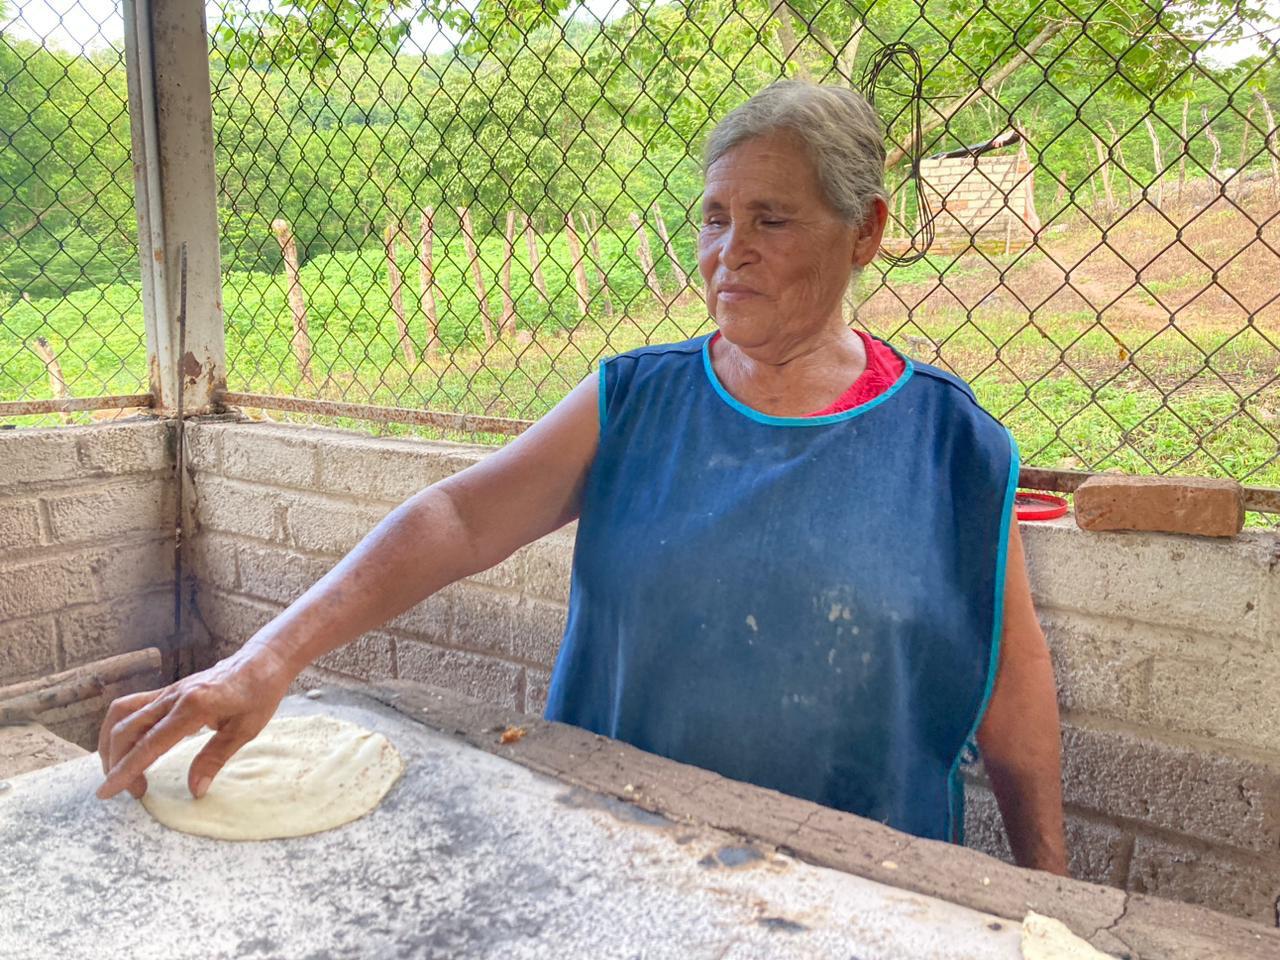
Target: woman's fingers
point(117, 712)
point(144, 743)
point(214, 754)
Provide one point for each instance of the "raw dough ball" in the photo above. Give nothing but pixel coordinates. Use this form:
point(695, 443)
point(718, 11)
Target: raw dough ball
point(1044, 938)
point(300, 775)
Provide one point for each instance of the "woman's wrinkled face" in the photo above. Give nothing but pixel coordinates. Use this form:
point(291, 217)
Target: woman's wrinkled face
point(775, 257)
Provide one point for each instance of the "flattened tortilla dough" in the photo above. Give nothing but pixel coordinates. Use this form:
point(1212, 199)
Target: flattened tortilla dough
point(1045, 938)
point(300, 775)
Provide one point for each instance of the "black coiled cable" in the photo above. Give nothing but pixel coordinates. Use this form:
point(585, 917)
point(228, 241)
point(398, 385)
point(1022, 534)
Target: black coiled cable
point(905, 58)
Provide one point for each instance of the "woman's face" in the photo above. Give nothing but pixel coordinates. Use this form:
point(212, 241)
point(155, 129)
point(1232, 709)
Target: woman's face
point(776, 258)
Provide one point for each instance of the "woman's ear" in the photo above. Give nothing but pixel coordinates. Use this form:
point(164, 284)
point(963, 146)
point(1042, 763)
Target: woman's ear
point(870, 233)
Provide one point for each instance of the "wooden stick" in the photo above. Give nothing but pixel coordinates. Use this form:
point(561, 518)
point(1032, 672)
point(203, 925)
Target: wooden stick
point(21, 702)
point(1269, 141)
point(682, 278)
point(397, 297)
point(508, 325)
point(301, 341)
point(469, 238)
point(535, 264)
point(1105, 164)
point(579, 271)
point(1182, 160)
point(592, 228)
point(646, 256)
point(57, 382)
point(1217, 146)
point(1157, 160)
point(426, 278)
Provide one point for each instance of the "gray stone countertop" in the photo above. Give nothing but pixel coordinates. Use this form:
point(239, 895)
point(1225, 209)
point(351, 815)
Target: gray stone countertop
point(567, 846)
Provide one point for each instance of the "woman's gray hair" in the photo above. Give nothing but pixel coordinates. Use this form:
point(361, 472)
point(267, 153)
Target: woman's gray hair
point(837, 127)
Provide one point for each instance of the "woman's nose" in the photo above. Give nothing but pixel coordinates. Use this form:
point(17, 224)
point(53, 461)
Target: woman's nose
point(736, 247)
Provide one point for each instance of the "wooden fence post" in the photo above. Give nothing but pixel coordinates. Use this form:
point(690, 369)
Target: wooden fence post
point(396, 283)
point(535, 264)
point(508, 325)
point(682, 278)
point(426, 278)
point(468, 236)
point(1157, 160)
point(1182, 159)
point(57, 382)
point(1217, 148)
point(300, 343)
point(579, 271)
point(1105, 163)
point(592, 228)
point(646, 256)
point(1269, 141)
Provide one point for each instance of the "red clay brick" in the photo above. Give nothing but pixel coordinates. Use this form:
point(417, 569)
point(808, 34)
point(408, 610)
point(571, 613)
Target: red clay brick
point(1195, 505)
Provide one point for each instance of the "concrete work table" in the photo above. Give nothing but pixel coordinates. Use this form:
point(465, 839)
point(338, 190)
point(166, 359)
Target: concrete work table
point(564, 845)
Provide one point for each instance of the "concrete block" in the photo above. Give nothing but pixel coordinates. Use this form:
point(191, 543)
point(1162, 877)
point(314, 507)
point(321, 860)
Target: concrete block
point(1210, 586)
point(389, 470)
point(36, 456)
point(1102, 667)
point(1205, 793)
point(328, 525)
point(270, 456)
point(429, 620)
point(212, 558)
point(548, 567)
point(278, 574)
point(371, 657)
point(527, 630)
point(1097, 851)
point(231, 619)
point(45, 585)
point(142, 447)
point(542, 569)
point(1237, 884)
point(1230, 695)
point(129, 568)
point(28, 649)
point(485, 678)
point(19, 524)
point(230, 506)
point(102, 512)
point(536, 685)
point(105, 629)
point(203, 443)
point(1200, 506)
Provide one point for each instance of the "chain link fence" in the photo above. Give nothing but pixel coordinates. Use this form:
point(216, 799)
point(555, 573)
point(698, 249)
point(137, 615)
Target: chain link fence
point(431, 208)
point(71, 324)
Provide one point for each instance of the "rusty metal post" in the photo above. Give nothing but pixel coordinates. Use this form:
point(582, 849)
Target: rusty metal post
point(171, 120)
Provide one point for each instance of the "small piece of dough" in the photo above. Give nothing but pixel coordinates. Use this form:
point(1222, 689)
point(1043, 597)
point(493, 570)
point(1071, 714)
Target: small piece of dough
point(300, 775)
point(1044, 938)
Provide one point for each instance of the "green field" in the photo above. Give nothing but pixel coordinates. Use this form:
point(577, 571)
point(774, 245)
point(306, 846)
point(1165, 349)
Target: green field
point(1076, 393)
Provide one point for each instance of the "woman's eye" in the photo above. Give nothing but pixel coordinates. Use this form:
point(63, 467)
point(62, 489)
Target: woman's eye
point(774, 223)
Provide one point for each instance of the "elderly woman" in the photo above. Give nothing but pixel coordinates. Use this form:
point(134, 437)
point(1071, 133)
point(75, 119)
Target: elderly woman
point(796, 562)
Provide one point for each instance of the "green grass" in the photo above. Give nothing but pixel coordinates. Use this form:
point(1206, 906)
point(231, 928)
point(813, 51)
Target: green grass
point(1101, 413)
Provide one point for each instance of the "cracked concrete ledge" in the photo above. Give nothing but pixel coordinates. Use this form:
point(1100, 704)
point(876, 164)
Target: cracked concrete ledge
point(1127, 925)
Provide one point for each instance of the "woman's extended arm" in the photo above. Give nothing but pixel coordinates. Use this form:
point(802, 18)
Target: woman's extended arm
point(1019, 736)
point(454, 528)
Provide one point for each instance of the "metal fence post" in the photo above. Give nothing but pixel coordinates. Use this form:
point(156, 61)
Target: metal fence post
point(171, 120)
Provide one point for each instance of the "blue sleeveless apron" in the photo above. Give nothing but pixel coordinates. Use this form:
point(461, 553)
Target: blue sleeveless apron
point(807, 604)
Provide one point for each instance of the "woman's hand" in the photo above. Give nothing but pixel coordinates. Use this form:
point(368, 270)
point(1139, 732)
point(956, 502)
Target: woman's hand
point(235, 698)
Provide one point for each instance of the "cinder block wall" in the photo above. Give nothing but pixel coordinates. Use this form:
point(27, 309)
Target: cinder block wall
point(86, 546)
point(1165, 649)
point(982, 200)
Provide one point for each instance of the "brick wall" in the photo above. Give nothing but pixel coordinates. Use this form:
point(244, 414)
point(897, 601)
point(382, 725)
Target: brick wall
point(277, 506)
point(86, 546)
point(1165, 649)
point(990, 199)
